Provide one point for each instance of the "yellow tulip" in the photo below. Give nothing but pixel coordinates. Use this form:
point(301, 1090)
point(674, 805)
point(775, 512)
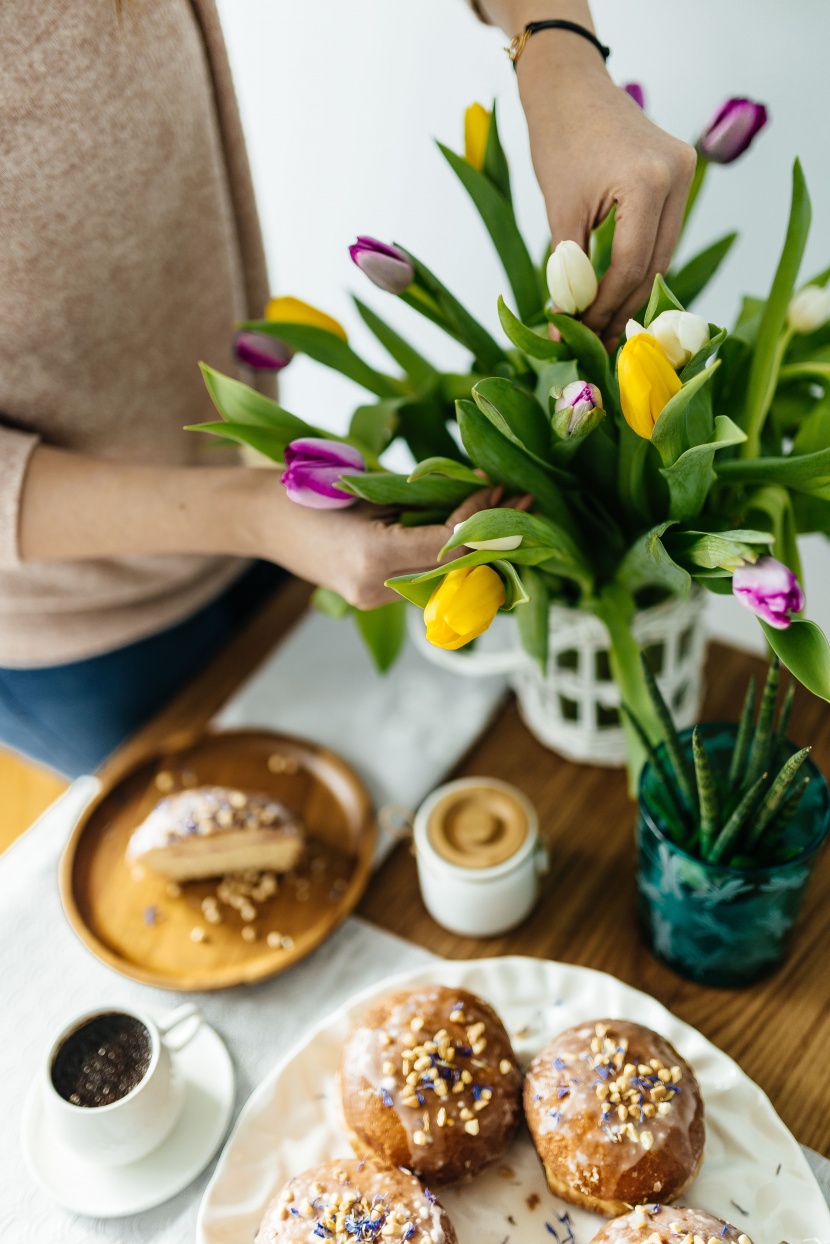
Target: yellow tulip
point(648, 382)
point(476, 132)
point(294, 311)
point(463, 606)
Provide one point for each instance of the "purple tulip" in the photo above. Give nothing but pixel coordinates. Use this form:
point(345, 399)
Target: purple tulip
point(386, 266)
point(637, 93)
point(770, 590)
point(313, 466)
point(262, 352)
point(731, 130)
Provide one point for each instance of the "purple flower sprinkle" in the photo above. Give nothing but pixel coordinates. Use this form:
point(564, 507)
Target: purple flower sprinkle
point(151, 915)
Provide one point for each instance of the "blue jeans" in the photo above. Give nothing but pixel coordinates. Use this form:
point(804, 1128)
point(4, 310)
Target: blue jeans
point(71, 717)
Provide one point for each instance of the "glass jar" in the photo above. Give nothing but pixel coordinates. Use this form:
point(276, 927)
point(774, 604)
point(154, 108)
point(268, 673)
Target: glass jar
point(719, 924)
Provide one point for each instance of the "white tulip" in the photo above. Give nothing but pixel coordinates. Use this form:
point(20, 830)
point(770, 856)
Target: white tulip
point(632, 328)
point(681, 334)
point(500, 544)
point(571, 279)
point(809, 309)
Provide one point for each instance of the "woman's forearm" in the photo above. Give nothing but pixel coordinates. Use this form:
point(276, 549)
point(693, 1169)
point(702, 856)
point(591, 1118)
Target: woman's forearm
point(513, 15)
point(76, 507)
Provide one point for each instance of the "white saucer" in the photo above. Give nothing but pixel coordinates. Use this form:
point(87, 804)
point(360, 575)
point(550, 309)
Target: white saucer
point(207, 1074)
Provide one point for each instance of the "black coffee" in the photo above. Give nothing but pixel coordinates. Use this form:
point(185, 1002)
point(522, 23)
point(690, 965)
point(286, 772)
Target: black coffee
point(102, 1061)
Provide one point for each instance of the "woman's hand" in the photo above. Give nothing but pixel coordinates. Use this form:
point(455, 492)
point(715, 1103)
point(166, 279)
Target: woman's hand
point(355, 551)
point(594, 148)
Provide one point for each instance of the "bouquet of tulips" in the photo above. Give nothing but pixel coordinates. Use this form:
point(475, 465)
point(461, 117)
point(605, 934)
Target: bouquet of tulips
point(691, 456)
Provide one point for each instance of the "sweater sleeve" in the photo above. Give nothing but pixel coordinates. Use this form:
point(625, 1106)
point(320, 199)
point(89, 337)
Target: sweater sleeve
point(15, 450)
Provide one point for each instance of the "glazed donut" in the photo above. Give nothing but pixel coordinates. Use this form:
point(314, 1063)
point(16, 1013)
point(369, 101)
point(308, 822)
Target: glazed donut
point(430, 1082)
point(348, 1201)
point(616, 1116)
point(669, 1224)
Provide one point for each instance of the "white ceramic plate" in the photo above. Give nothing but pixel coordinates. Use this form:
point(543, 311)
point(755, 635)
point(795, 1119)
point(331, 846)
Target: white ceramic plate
point(754, 1174)
point(97, 1192)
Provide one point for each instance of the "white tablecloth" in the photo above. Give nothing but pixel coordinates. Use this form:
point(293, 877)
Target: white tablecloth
point(404, 734)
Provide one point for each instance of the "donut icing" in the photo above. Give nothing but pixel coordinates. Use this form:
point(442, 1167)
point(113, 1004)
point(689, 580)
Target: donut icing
point(669, 1224)
point(351, 1202)
point(615, 1114)
point(430, 1082)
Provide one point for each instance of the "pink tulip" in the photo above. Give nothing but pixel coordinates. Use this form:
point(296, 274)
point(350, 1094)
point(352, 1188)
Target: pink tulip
point(636, 92)
point(770, 590)
point(386, 266)
point(731, 130)
point(262, 352)
point(313, 466)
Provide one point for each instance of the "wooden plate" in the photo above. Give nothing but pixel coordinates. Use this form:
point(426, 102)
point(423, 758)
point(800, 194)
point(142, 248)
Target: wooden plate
point(133, 923)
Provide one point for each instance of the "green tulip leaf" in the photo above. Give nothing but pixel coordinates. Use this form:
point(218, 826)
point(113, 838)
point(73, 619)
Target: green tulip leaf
point(238, 403)
point(330, 350)
point(422, 423)
point(495, 161)
point(670, 437)
point(375, 426)
point(263, 440)
point(449, 467)
point(384, 488)
point(808, 473)
point(331, 603)
point(688, 283)
point(591, 355)
point(723, 551)
point(487, 353)
point(497, 213)
point(602, 243)
point(383, 631)
point(804, 649)
point(516, 413)
point(768, 353)
point(648, 564)
point(692, 475)
point(662, 299)
point(536, 533)
point(776, 505)
point(533, 617)
point(696, 365)
point(536, 345)
point(748, 323)
point(421, 372)
point(504, 462)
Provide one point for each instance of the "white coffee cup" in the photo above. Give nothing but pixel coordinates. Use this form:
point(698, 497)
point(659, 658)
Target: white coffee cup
point(479, 902)
point(130, 1128)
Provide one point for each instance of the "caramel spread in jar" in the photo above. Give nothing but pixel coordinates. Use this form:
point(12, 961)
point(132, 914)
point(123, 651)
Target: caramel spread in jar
point(477, 826)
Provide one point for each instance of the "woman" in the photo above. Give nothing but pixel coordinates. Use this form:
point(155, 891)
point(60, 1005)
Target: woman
point(129, 245)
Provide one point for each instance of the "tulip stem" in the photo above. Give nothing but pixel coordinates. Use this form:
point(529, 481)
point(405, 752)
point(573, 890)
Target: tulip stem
point(701, 169)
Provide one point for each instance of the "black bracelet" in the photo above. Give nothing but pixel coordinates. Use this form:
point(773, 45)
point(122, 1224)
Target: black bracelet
point(517, 45)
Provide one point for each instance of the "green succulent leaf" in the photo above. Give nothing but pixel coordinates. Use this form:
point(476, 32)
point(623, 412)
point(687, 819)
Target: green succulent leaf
point(743, 738)
point(764, 736)
point(775, 797)
point(707, 794)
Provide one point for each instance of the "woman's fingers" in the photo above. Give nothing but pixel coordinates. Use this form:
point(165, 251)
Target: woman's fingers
point(638, 217)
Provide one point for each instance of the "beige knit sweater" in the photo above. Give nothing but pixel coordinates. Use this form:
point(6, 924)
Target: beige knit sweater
point(129, 245)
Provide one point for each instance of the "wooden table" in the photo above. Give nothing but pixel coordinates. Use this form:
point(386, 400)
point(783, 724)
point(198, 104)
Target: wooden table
point(778, 1030)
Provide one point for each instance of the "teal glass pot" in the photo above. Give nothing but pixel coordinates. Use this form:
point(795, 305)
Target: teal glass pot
point(714, 923)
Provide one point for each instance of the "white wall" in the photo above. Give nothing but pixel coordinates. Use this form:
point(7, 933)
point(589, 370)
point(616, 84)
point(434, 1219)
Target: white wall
point(340, 99)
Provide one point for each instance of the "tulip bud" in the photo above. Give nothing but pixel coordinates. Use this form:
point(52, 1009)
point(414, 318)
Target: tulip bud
point(463, 606)
point(770, 590)
point(577, 409)
point(648, 382)
point(637, 93)
point(571, 279)
point(477, 120)
point(288, 310)
point(312, 467)
point(731, 130)
point(262, 352)
point(809, 309)
point(681, 334)
point(500, 544)
point(386, 266)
